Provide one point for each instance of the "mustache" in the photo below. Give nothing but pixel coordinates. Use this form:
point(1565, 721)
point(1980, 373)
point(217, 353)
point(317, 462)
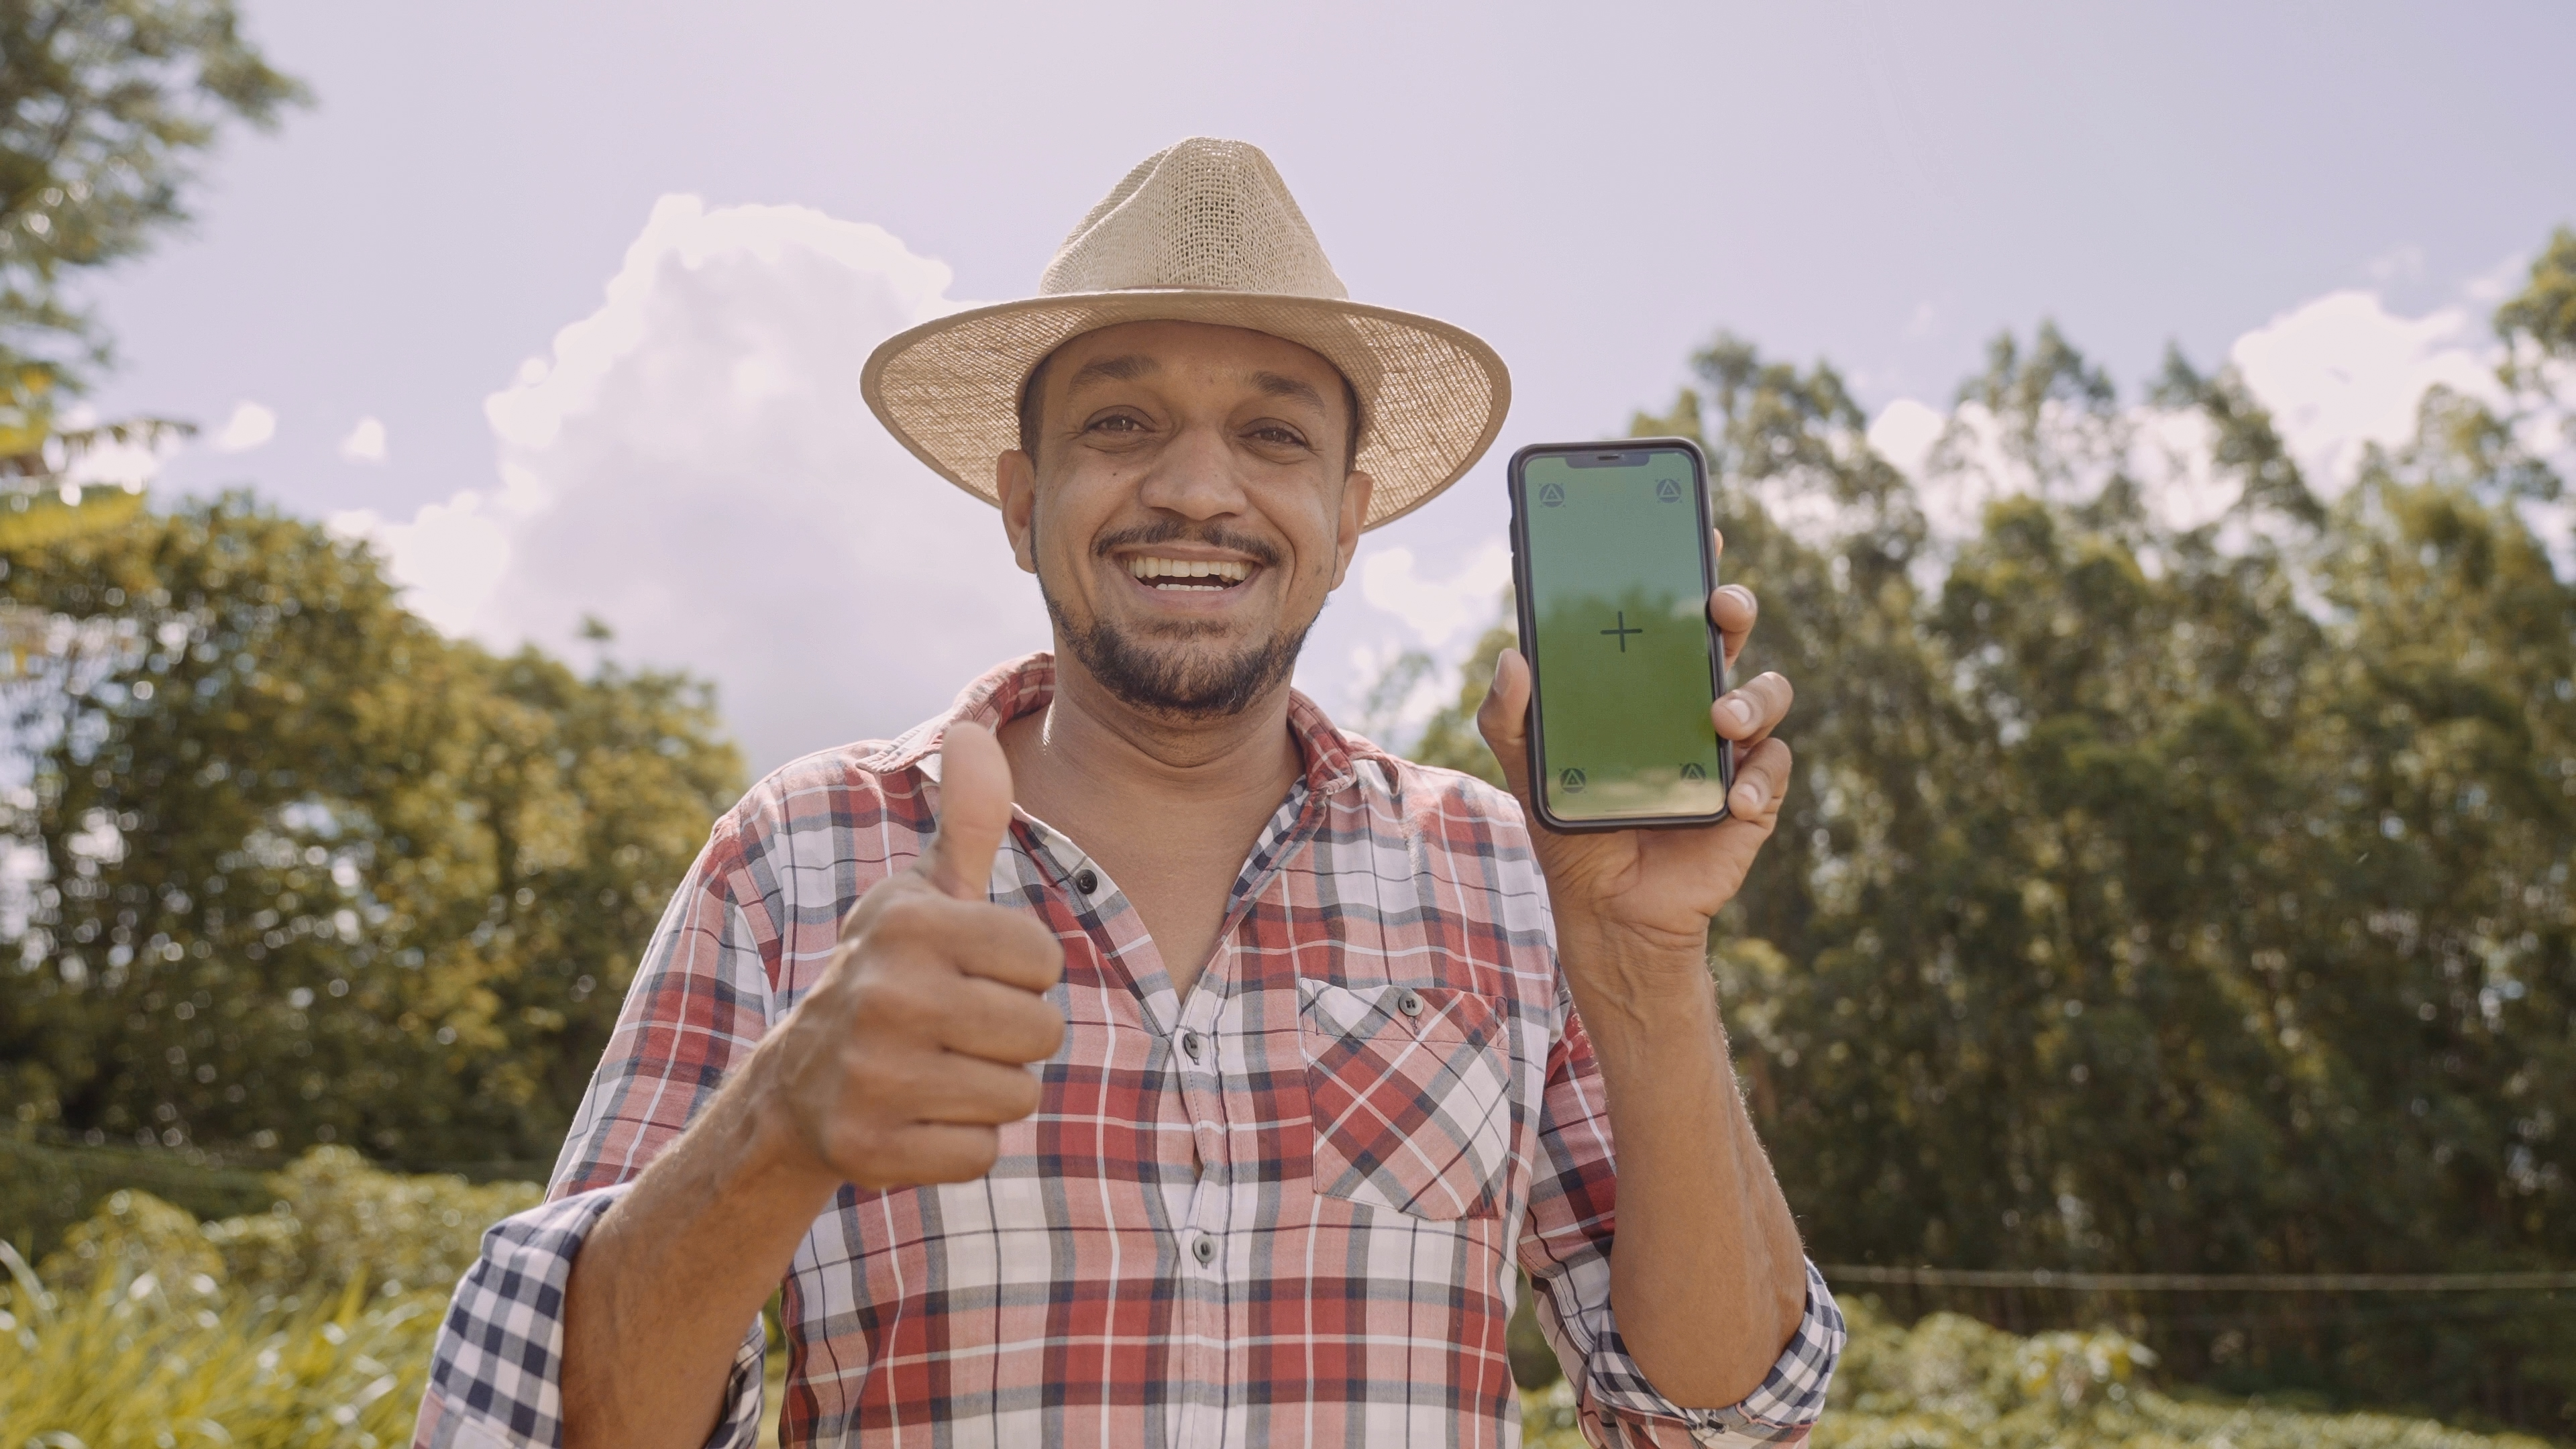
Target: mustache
point(1171, 530)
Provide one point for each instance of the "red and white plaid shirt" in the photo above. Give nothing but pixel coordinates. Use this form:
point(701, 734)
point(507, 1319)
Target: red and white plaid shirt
point(1284, 1209)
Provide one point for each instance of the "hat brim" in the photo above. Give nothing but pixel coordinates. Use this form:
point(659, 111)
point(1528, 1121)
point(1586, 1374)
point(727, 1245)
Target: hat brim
point(1433, 395)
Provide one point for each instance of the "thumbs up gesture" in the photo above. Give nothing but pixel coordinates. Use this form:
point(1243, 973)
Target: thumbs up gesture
point(902, 1063)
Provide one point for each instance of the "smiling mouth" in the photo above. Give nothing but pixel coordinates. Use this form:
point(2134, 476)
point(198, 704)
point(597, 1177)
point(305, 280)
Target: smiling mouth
point(1188, 575)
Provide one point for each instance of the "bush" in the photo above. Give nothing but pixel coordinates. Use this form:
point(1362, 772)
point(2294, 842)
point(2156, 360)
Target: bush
point(175, 1357)
point(335, 1222)
point(1951, 1381)
point(310, 1323)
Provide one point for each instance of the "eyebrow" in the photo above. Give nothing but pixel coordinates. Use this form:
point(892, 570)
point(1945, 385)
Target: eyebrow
point(1115, 369)
point(1274, 385)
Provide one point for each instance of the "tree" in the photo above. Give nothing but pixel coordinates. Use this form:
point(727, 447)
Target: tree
point(310, 872)
point(2159, 897)
point(105, 106)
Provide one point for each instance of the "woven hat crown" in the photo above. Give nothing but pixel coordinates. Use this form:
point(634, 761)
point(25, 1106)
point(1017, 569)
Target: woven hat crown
point(1205, 214)
point(1204, 232)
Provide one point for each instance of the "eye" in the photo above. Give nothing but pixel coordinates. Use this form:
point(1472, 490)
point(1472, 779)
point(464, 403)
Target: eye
point(1116, 423)
point(1279, 434)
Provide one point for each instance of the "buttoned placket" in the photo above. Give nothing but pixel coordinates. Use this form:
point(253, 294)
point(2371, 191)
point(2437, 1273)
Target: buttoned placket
point(1204, 1043)
point(1196, 1053)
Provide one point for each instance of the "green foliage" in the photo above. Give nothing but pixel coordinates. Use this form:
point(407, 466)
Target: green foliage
point(2163, 899)
point(1950, 1382)
point(333, 1221)
point(2544, 313)
point(1450, 739)
point(151, 1323)
point(280, 1329)
point(155, 1361)
point(105, 106)
point(30, 521)
point(313, 873)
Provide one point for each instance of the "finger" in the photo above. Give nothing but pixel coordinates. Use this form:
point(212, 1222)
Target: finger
point(1753, 711)
point(1503, 719)
point(972, 1092)
point(974, 812)
point(928, 1152)
point(1761, 781)
point(1733, 609)
point(974, 938)
point(1001, 1023)
point(1016, 950)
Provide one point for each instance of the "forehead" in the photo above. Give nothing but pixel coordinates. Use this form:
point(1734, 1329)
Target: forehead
point(1186, 351)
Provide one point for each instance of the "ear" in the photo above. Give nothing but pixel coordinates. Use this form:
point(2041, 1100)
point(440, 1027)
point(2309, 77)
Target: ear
point(1015, 483)
point(1356, 490)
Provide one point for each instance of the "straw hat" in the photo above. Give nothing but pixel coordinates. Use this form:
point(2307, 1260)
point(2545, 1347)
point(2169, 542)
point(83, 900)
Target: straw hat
point(1204, 231)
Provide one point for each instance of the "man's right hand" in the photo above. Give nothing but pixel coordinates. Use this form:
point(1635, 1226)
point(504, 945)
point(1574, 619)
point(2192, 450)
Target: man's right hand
point(899, 1068)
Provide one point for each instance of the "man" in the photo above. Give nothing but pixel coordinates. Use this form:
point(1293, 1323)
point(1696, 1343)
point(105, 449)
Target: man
point(1127, 1056)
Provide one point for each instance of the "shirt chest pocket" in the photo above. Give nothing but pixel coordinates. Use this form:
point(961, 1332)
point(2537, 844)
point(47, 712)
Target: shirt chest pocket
point(1411, 1090)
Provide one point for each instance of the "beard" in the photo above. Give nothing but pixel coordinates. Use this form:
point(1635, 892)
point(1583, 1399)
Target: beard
point(1179, 682)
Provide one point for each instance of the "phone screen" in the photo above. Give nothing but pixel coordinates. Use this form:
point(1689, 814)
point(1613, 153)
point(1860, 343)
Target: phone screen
point(1615, 587)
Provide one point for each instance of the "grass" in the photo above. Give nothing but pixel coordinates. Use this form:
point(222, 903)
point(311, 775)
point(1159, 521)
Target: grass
point(140, 1360)
point(312, 1325)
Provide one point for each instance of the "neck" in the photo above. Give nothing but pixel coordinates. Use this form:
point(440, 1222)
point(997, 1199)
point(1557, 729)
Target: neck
point(1090, 743)
point(1168, 807)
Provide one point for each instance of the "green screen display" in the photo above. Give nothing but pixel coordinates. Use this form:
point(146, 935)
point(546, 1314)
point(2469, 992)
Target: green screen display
point(1621, 612)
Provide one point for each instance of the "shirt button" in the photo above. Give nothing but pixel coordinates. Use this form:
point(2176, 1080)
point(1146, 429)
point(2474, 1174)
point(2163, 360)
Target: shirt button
point(1204, 1250)
point(1190, 1045)
point(1410, 1003)
point(1086, 880)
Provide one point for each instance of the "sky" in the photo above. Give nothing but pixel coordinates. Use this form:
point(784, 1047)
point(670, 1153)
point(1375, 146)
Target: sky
point(564, 304)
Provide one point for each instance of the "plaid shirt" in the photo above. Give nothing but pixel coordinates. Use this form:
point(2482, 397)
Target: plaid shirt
point(1283, 1209)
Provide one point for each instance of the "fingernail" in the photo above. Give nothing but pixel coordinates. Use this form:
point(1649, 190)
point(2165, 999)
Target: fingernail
point(1739, 711)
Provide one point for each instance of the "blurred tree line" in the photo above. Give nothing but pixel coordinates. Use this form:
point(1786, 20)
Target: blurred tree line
point(279, 865)
point(297, 869)
point(2162, 898)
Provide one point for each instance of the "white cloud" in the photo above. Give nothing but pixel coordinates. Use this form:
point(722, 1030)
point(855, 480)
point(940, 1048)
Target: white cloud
point(365, 443)
point(451, 555)
point(128, 465)
point(692, 463)
point(1437, 609)
point(2337, 373)
point(2340, 372)
point(1903, 433)
point(248, 427)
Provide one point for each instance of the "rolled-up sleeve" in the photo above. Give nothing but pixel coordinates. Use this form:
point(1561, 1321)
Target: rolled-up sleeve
point(1566, 1250)
point(700, 1002)
point(496, 1376)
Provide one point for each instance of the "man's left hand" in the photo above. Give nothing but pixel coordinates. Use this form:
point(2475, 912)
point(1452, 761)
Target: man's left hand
point(1644, 897)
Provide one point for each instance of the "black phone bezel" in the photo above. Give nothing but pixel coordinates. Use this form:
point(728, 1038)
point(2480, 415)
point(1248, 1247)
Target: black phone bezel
point(1513, 486)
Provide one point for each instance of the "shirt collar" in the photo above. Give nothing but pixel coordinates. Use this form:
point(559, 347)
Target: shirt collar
point(1025, 685)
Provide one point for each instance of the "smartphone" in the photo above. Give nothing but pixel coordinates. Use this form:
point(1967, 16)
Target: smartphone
point(1612, 567)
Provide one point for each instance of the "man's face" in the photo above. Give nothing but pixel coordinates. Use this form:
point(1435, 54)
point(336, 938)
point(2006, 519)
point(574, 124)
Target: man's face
point(1188, 509)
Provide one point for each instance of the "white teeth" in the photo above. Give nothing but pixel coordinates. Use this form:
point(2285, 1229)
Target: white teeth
point(1179, 568)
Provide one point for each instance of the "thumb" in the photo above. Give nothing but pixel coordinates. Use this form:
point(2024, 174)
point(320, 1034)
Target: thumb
point(974, 812)
point(1503, 719)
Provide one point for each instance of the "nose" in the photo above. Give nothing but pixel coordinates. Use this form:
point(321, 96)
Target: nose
point(1194, 476)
